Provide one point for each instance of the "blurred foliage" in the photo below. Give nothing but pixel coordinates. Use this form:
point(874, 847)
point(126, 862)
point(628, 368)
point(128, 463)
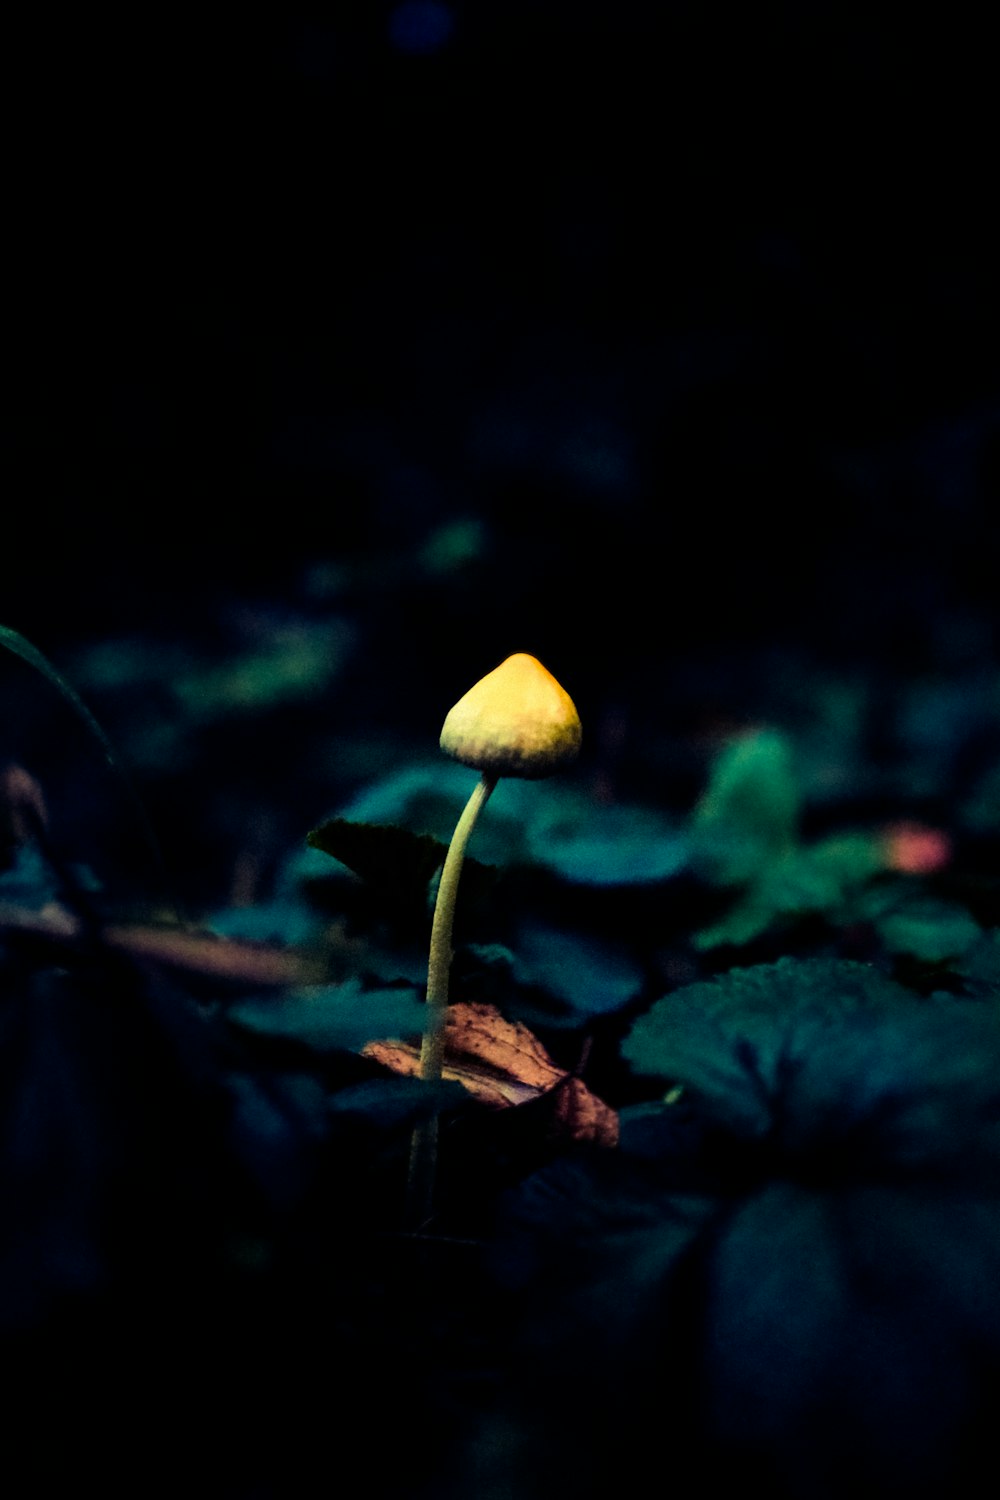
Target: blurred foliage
point(748, 815)
point(583, 363)
point(333, 1017)
point(777, 968)
point(748, 1264)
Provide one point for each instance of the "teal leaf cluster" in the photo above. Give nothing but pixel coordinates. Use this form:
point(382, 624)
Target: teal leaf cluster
point(799, 1253)
point(334, 1016)
point(812, 1050)
point(815, 880)
point(589, 977)
point(619, 845)
point(930, 930)
point(748, 815)
point(558, 829)
point(395, 1103)
point(388, 857)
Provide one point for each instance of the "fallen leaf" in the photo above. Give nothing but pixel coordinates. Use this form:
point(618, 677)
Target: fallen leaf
point(581, 1115)
point(215, 957)
point(196, 951)
point(503, 1064)
point(481, 1032)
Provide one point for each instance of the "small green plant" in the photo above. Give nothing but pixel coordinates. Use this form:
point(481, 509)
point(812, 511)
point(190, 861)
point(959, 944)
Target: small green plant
point(516, 721)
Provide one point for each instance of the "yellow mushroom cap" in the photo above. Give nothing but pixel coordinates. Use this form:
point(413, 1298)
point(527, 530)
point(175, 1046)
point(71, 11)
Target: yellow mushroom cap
point(516, 721)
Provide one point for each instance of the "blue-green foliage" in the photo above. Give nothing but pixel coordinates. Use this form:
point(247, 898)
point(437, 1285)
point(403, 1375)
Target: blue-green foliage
point(745, 837)
point(395, 1103)
point(332, 1016)
point(589, 844)
point(933, 931)
point(979, 966)
point(745, 840)
point(558, 972)
point(427, 799)
point(285, 920)
point(587, 976)
point(29, 881)
point(553, 976)
point(792, 1252)
point(748, 815)
point(554, 827)
point(277, 1122)
point(387, 856)
point(824, 1049)
point(818, 879)
point(810, 1227)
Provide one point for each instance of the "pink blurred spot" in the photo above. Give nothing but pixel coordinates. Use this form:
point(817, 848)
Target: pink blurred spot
point(913, 849)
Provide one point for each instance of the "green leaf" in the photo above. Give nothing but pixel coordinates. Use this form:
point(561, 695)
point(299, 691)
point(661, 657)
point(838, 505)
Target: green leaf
point(299, 662)
point(605, 846)
point(753, 1004)
point(822, 1049)
point(395, 1103)
point(841, 863)
point(484, 972)
point(30, 881)
point(745, 921)
point(979, 965)
point(861, 1294)
point(588, 976)
point(749, 813)
point(278, 1121)
point(391, 858)
point(282, 920)
point(554, 826)
point(932, 931)
point(779, 1284)
point(805, 882)
point(429, 797)
point(334, 1017)
point(396, 863)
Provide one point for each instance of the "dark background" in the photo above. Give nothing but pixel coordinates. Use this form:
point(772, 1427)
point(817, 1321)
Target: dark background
point(658, 340)
point(346, 351)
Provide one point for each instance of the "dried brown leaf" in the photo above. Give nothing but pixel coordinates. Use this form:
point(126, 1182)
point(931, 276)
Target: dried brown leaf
point(197, 952)
point(581, 1115)
point(480, 1032)
point(204, 953)
point(494, 1091)
point(503, 1064)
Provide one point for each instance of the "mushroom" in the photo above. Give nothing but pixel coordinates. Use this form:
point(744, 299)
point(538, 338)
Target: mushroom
point(516, 721)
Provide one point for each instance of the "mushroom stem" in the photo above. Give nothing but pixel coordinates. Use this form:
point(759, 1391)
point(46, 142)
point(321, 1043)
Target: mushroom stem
point(439, 966)
point(423, 1152)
